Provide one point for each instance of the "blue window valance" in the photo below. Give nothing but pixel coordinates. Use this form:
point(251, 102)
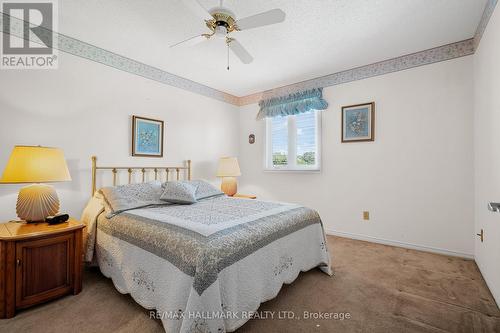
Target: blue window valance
point(300, 102)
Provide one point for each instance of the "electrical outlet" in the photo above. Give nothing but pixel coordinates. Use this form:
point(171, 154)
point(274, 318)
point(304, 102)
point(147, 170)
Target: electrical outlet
point(366, 215)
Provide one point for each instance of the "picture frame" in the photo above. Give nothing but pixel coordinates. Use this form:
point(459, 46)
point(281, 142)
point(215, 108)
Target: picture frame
point(358, 123)
point(147, 137)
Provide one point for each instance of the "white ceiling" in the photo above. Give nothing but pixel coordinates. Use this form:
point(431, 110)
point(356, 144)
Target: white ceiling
point(318, 37)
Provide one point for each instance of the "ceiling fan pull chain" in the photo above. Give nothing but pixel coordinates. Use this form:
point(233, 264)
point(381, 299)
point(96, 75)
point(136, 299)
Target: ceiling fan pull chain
point(227, 56)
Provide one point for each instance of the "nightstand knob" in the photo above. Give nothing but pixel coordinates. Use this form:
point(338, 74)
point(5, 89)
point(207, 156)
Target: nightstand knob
point(18, 261)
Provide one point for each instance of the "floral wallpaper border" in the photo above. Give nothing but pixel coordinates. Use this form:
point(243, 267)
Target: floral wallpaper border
point(488, 11)
point(91, 52)
point(442, 53)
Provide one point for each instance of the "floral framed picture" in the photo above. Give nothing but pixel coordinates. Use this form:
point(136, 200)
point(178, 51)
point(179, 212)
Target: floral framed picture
point(147, 137)
point(358, 122)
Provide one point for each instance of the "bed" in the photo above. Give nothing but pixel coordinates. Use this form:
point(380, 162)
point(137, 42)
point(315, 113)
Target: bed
point(207, 266)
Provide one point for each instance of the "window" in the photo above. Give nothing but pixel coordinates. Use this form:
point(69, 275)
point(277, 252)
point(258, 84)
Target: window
point(293, 142)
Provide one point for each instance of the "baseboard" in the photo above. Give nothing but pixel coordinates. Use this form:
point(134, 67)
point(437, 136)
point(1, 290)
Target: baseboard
point(399, 244)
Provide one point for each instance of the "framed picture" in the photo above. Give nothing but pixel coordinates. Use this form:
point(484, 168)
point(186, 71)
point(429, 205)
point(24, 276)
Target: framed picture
point(147, 137)
point(358, 122)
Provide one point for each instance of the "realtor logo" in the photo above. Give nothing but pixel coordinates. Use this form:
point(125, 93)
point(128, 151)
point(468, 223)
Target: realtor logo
point(28, 41)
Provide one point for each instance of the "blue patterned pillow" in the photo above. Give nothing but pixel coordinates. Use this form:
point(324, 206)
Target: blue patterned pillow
point(204, 189)
point(179, 193)
point(126, 197)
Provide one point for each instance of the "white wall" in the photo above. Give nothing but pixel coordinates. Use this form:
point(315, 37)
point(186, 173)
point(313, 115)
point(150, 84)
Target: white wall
point(85, 109)
point(416, 179)
point(487, 152)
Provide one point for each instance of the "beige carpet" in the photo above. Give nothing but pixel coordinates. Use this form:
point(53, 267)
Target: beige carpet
point(383, 288)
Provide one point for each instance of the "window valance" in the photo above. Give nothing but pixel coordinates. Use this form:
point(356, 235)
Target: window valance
point(300, 102)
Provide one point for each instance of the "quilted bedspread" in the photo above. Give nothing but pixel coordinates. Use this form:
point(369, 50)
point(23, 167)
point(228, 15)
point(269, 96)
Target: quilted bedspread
point(195, 264)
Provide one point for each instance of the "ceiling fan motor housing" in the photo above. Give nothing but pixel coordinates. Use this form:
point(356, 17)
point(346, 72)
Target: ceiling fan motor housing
point(223, 22)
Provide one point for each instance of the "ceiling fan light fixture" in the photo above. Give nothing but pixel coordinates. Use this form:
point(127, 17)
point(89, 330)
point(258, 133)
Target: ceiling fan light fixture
point(220, 31)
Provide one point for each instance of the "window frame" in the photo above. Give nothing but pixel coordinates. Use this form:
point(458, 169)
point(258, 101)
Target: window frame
point(292, 147)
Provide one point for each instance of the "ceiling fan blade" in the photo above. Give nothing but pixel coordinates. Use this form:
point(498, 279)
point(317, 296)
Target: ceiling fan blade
point(266, 18)
point(240, 51)
point(192, 41)
point(197, 9)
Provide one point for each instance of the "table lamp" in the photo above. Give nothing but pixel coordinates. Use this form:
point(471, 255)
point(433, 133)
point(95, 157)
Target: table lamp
point(36, 164)
point(229, 170)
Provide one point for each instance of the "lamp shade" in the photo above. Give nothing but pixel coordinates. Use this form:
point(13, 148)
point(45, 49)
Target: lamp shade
point(36, 164)
point(228, 167)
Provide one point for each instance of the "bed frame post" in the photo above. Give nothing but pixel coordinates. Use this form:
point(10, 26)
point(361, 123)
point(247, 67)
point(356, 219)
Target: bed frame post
point(94, 162)
point(189, 169)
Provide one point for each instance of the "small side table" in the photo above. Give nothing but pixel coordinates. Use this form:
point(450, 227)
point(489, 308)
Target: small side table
point(38, 262)
point(245, 196)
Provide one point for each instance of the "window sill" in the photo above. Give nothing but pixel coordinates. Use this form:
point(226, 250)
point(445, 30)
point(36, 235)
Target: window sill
point(292, 170)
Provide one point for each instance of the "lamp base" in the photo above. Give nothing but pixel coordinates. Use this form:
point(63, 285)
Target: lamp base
point(36, 202)
point(229, 185)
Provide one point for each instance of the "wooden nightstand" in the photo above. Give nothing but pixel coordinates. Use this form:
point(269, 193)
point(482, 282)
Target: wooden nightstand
point(246, 196)
point(38, 262)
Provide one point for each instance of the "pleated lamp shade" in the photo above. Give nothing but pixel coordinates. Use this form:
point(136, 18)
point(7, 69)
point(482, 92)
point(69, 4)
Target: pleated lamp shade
point(36, 164)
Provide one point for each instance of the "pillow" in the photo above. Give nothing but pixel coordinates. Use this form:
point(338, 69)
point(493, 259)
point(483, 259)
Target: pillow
point(203, 189)
point(99, 196)
point(126, 197)
point(179, 193)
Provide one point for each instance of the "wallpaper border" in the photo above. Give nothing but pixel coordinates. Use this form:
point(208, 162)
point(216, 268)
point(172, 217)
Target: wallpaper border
point(483, 23)
point(438, 54)
point(442, 53)
point(94, 53)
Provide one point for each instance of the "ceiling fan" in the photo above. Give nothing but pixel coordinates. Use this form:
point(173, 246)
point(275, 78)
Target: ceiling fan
point(221, 21)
